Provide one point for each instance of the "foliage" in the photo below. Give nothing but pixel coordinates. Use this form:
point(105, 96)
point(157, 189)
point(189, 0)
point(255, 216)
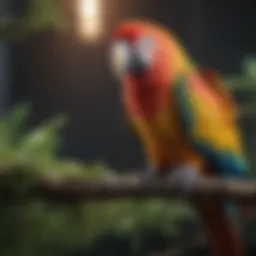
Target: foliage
point(247, 80)
point(243, 87)
point(45, 13)
point(42, 14)
point(33, 227)
point(249, 67)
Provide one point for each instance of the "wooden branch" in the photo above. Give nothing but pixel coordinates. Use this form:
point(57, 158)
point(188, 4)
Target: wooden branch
point(83, 190)
point(71, 190)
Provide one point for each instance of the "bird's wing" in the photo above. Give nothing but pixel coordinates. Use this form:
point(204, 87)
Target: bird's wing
point(209, 125)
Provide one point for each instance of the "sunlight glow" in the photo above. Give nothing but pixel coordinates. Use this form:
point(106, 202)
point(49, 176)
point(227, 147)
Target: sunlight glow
point(89, 18)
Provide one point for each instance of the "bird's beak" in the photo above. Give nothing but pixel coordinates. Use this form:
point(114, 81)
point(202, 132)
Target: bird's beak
point(125, 59)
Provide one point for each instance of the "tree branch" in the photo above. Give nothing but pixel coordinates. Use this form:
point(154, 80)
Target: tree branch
point(77, 189)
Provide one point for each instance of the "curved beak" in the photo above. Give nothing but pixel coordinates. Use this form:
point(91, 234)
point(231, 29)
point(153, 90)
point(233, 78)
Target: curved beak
point(125, 59)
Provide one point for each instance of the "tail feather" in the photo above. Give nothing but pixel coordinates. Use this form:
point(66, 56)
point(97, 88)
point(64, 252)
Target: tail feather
point(237, 212)
point(245, 210)
point(233, 213)
point(223, 235)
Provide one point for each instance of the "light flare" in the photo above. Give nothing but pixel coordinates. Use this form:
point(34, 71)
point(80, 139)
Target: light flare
point(89, 18)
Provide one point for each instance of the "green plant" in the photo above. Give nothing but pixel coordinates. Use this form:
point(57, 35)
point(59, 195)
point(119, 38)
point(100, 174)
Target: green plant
point(35, 227)
point(42, 14)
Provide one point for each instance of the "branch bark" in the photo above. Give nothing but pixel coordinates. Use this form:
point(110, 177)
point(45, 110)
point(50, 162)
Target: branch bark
point(77, 189)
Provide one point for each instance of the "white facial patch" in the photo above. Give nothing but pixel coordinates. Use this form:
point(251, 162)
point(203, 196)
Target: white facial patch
point(119, 57)
point(132, 58)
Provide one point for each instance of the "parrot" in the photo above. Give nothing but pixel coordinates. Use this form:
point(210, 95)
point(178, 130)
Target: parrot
point(184, 117)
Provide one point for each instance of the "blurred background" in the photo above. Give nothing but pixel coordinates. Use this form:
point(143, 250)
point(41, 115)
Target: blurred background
point(61, 115)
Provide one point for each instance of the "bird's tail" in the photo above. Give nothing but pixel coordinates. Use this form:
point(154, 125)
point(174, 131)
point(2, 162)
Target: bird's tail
point(245, 210)
point(223, 235)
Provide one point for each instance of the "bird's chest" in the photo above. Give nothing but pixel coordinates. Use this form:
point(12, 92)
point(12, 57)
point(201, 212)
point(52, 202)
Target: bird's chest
point(161, 136)
point(156, 122)
point(164, 129)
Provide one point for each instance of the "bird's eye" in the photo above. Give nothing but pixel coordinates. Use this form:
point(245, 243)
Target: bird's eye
point(146, 47)
point(146, 43)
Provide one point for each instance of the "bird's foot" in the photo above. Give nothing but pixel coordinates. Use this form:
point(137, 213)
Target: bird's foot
point(185, 177)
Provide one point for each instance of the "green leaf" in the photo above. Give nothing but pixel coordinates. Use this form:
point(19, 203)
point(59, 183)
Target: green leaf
point(41, 144)
point(249, 68)
point(42, 14)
